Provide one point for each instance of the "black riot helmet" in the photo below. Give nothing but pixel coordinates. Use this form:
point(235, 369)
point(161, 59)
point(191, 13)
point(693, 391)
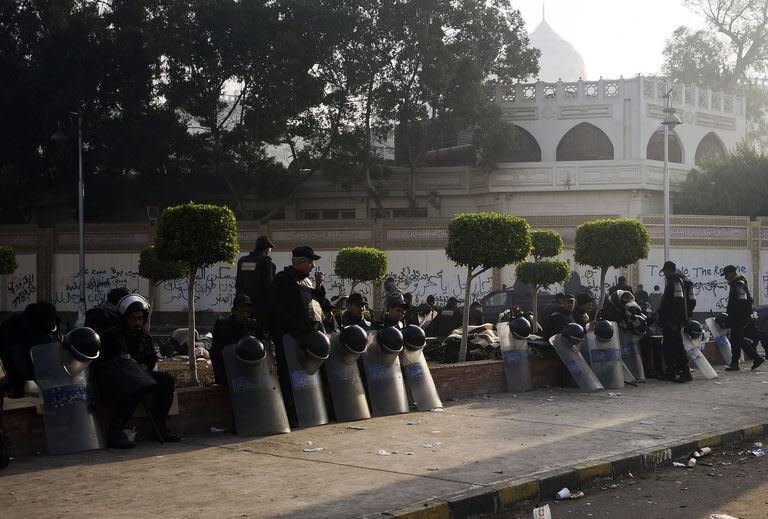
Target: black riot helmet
point(390, 339)
point(354, 338)
point(520, 327)
point(414, 337)
point(84, 343)
point(132, 303)
point(603, 330)
point(573, 333)
point(693, 330)
point(722, 320)
point(638, 324)
point(250, 350)
point(317, 344)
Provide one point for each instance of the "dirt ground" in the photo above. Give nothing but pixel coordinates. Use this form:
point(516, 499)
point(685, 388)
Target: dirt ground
point(731, 482)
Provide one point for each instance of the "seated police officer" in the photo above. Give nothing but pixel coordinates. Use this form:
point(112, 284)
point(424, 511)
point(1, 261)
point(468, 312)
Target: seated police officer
point(104, 316)
point(559, 318)
point(124, 374)
point(229, 330)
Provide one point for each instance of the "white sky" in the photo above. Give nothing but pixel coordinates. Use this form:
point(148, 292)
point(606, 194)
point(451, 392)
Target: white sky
point(614, 37)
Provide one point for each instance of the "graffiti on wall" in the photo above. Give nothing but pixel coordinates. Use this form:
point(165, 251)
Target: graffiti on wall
point(98, 281)
point(214, 288)
point(21, 290)
point(440, 284)
point(710, 286)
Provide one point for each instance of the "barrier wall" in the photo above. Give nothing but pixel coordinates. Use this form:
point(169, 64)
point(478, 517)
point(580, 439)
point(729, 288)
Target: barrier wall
point(48, 260)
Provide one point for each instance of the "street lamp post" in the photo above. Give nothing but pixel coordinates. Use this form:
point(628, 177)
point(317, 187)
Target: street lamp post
point(60, 136)
point(670, 121)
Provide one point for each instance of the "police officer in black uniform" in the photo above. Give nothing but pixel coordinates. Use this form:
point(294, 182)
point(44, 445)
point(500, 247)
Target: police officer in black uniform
point(124, 374)
point(295, 309)
point(395, 314)
point(255, 273)
point(557, 320)
point(355, 312)
point(229, 330)
point(674, 310)
point(104, 316)
point(739, 314)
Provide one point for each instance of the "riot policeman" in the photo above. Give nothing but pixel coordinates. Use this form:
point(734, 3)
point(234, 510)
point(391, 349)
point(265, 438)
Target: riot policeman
point(255, 273)
point(125, 374)
point(355, 312)
point(739, 315)
point(229, 330)
point(104, 316)
point(676, 308)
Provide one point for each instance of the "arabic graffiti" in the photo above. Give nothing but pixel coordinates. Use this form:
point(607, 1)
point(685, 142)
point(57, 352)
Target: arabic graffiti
point(97, 283)
point(21, 290)
point(440, 284)
point(214, 288)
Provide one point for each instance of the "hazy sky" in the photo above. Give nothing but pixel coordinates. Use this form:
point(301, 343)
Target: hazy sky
point(614, 37)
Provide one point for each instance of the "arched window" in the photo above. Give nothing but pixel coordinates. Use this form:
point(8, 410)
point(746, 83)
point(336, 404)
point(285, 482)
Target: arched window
point(710, 149)
point(585, 142)
point(655, 150)
point(523, 148)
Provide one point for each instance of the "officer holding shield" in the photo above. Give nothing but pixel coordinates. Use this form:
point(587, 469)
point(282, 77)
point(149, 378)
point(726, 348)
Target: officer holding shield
point(739, 314)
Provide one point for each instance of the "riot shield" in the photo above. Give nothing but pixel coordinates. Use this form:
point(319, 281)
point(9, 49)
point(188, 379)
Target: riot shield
point(693, 352)
point(384, 379)
point(517, 359)
point(605, 359)
point(254, 391)
point(68, 415)
point(346, 385)
point(720, 336)
point(575, 363)
point(306, 386)
point(630, 353)
point(419, 379)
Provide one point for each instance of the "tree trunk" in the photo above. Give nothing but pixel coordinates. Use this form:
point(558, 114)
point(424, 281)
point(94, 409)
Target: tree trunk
point(465, 317)
point(191, 328)
point(602, 293)
point(152, 296)
point(535, 305)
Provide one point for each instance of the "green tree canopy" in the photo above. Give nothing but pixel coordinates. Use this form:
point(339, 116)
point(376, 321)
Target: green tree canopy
point(543, 272)
point(737, 185)
point(196, 235)
point(151, 267)
point(480, 241)
point(359, 264)
point(8, 263)
point(613, 242)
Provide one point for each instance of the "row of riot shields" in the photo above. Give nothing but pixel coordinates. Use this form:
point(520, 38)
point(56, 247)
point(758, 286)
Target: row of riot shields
point(359, 374)
point(605, 356)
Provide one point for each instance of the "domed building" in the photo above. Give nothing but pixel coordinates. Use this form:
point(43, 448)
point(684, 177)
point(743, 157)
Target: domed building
point(559, 59)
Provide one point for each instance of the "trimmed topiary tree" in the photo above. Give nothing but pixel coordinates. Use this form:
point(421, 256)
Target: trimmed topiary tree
point(8, 265)
point(360, 264)
point(156, 271)
point(480, 241)
point(613, 242)
point(197, 235)
point(542, 272)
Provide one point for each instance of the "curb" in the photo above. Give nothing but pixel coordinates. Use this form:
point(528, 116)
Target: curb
point(500, 497)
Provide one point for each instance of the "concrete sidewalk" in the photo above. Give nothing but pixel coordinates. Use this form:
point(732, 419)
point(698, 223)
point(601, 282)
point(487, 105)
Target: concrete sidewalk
point(477, 455)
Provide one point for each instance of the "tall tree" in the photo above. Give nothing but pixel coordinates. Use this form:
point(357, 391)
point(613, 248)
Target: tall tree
point(543, 270)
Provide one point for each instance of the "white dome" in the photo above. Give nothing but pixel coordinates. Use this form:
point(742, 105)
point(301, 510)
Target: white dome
point(559, 59)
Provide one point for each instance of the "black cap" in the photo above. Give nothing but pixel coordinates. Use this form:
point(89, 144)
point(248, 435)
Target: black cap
point(356, 298)
point(669, 265)
point(264, 243)
point(242, 300)
point(304, 252)
point(729, 269)
point(397, 300)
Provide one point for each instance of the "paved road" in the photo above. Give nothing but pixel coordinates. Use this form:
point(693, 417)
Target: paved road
point(365, 468)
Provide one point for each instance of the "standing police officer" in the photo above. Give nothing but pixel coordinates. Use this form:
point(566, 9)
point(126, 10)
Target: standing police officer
point(676, 307)
point(739, 313)
point(254, 277)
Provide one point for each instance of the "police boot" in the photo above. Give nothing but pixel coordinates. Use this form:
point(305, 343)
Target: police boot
point(683, 375)
point(757, 362)
point(733, 366)
point(116, 436)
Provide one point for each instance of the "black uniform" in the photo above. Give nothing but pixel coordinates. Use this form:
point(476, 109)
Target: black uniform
point(739, 316)
point(123, 375)
point(295, 310)
point(676, 307)
point(556, 321)
point(102, 317)
point(347, 319)
point(228, 331)
point(255, 273)
point(37, 324)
